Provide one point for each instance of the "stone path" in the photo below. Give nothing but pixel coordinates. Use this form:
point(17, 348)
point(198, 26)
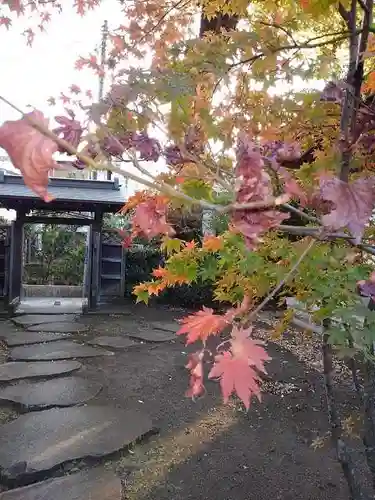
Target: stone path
point(14, 339)
point(61, 427)
point(57, 436)
point(150, 335)
point(65, 391)
point(58, 327)
point(15, 371)
point(38, 319)
point(96, 484)
point(112, 342)
point(62, 349)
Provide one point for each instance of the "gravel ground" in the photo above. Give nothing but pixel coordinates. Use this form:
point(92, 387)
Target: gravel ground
point(205, 449)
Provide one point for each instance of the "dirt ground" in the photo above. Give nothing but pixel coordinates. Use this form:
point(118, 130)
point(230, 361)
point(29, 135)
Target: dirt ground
point(206, 450)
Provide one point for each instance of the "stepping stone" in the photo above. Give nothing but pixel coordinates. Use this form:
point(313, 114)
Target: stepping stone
point(55, 350)
point(172, 326)
point(20, 370)
point(38, 319)
point(64, 391)
point(95, 484)
point(23, 338)
point(148, 335)
point(58, 327)
point(56, 436)
point(114, 342)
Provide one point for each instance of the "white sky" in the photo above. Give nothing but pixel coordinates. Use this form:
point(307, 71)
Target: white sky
point(29, 75)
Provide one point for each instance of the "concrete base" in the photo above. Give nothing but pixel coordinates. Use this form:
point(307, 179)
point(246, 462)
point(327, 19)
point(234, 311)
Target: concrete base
point(51, 305)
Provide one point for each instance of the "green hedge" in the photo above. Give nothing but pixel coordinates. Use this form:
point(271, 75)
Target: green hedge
point(138, 268)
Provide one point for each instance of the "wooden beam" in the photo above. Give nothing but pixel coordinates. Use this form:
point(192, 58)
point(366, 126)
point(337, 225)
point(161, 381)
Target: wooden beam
point(15, 271)
point(69, 221)
point(95, 255)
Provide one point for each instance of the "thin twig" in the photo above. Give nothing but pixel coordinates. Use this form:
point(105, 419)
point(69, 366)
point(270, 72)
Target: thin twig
point(302, 45)
point(280, 285)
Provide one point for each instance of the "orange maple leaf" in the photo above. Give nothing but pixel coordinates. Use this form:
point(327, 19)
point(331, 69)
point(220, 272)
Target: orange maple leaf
point(155, 287)
point(213, 243)
point(190, 245)
point(200, 325)
point(160, 272)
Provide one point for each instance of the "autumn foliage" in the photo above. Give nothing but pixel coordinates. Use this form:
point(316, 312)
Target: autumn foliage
point(221, 111)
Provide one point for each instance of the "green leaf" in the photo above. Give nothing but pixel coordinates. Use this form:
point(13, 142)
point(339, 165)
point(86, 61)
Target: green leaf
point(197, 188)
point(171, 245)
point(142, 296)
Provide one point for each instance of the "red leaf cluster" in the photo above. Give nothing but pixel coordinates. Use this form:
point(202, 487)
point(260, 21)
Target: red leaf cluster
point(253, 184)
point(70, 130)
point(150, 218)
point(353, 204)
point(30, 151)
point(200, 325)
point(236, 368)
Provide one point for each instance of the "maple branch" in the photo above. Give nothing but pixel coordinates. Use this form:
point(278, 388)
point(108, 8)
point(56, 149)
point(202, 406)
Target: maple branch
point(363, 6)
point(162, 18)
point(312, 231)
point(344, 13)
point(302, 45)
point(156, 184)
point(283, 282)
point(342, 452)
point(253, 205)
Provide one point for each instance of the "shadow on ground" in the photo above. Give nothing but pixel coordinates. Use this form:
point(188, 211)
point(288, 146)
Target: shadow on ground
point(206, 450)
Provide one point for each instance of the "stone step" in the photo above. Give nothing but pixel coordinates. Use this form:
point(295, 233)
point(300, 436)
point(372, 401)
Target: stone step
point(38, 319)
point(62, 349)
point(96, 484)
point(62, 327)
point(60, 392)
point(151, 335)
point(36, 369)
point(112, 342)
point(38, 442)
point(13, 339)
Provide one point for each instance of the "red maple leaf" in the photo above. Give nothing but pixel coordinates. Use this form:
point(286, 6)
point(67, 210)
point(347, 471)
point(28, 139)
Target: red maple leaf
point(237, 376)
point(200, 325)
point(70, 130)
point(195, 366)
point(242, 346)
point(5, 21)
point(253, 185)
point(235, 368)
point(30, 151)
point(353, 204)
point(118, 44)
point(74, 89)
point(150, 218)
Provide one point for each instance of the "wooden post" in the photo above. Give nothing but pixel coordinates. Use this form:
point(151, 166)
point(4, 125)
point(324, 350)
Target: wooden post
point(15, 267)
point(96, 238)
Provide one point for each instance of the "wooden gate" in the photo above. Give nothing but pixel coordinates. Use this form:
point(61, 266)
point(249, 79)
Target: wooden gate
point(4, 260)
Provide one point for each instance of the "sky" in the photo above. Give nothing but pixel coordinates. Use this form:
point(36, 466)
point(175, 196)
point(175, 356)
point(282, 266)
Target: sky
point(30, 75)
